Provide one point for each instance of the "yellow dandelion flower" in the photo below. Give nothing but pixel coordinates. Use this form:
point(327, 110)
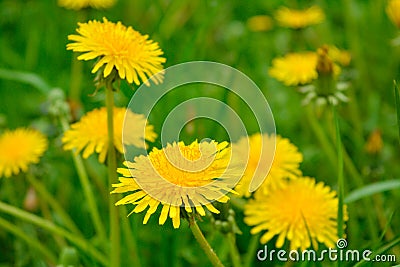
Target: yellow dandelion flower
point(90, 133)
point(285, 164)
point(296, 19)
point(118, 47)
point(302, 68)
point(301, 211)
point(393, 11)
point(259, 23)
point(295, 68)
point(178, 177)
point(19, 148)
point(80, 4)
point(342, 57)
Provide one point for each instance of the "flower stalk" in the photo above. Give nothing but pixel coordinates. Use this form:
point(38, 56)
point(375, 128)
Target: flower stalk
point(87, 190)
point(216, 262)
point(235, 255)
point(115, 237)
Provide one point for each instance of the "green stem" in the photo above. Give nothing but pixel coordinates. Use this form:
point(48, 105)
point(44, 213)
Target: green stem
point(348, 164)
point(203, 242)
point(340, 223)
point(235, 256)
point(87, 190)
point(130, 239)
point(69, 223)
point(321, 136)
point(33, 243)
point(54, 229)
point(251, 252)
point(112, 178)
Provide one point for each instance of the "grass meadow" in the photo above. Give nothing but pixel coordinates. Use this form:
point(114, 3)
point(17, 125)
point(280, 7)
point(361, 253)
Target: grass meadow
point(48, 211)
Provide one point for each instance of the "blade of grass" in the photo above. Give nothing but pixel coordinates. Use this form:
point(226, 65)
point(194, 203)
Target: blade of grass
point(25, 77)
point(380, 251)
point(79, 242)
point(372, 189)
point(387, 226)
point(340, 223)
point(32, 242)
point(251, 251)
point(54, 204)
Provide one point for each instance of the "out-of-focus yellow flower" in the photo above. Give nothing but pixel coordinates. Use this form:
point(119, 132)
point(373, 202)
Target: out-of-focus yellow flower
point(118, 48)
point(304, 67)
point(19, 148)
point(80, 4)
point(342, 57)
point(178, 177)
point(296, 19)
point(259, 23)
point(302, 211)
point(295, 68)
point(90, 133)
point(393, 11)
point(285, 164)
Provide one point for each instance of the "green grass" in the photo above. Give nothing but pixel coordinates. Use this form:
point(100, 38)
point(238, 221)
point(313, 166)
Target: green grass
point(34, 59)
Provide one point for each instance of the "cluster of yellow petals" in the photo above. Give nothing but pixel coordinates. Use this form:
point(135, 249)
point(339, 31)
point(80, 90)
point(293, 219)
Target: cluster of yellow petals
point(284, 157)
point(80, 4)
point(302, 211)
point(118, 47)
point(178, 177)
point(259, 23)
point(90, 133)
point(296, 19)
point(301, 68)
point(295, 68)
point(19, 148)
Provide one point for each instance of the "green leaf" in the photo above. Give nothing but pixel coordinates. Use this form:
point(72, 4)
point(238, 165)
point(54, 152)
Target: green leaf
point(380, 251)
point(25, 77)
point(372, 189)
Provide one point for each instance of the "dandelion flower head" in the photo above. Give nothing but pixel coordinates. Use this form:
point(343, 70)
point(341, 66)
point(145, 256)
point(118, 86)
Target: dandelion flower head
point(302, 211)
point(296, 19)
point(19, 148)
point(393, 12)
point(81, 4)
point(118, 47)
point(295, 68)
point(285, 163)
point(90, 133)
point(302, 68)
point(178, 177)
point(259, 23)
